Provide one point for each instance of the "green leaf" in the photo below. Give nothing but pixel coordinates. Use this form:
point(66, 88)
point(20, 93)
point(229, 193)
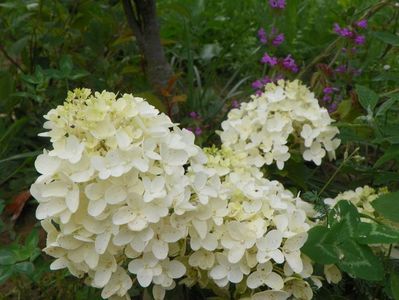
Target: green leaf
point(384, 107)
point(7, 257)
point(25, 267)
point(367, 97)
point(344, 212)
point(344, 108)
point(5, 272)
point(319, 246)
point(66, 65)
point(372, 233)
point(359, 261)
point(395, 285)
point(388, 206)
point(32, 239)
point(387, 37)
point(390, 154)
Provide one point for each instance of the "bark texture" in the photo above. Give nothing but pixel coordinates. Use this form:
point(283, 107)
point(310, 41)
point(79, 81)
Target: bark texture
point(142, 19)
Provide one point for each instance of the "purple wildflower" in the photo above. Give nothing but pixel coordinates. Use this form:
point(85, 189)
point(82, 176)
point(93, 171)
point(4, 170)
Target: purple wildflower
point(362, 24)
point(280, 4)
point(257, 84)
point(265, 80)
point(235, 104)
point(262, 36)
point(332, 107)
point(198, 131)
point(267, 59)
point(360, 39)
point(278, 40)
point(327, 98)
point(328, 90)
point(344, 31)
point(336, 28)
point(193, 115)
point(341, 69)
point(289, 64)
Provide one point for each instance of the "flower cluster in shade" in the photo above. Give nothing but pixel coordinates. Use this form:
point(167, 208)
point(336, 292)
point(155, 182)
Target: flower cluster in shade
point(126, 196)
point(285, 111)
point(352, 33)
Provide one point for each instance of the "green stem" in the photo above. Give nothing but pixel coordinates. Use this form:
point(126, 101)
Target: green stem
point(337, 171)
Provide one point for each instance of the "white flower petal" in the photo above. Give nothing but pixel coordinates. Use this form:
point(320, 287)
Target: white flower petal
point(274, 281)
point(102, 241)
point(144, 277)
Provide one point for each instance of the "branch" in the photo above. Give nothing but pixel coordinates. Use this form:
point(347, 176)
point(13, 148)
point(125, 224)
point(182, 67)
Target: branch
point(3, 50)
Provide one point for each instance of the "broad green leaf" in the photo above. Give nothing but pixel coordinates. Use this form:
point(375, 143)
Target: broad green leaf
point(7, 257)
point(387, 37)
point(25, 267)
point(388, 206)
point(394, 280)
point(319, 247)
point(372, 233)
point(344, 212)
point(359, 261)
point(367, 97)
point(344, 108)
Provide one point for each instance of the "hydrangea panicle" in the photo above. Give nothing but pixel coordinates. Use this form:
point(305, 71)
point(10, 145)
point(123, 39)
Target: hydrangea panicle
point(261, 128)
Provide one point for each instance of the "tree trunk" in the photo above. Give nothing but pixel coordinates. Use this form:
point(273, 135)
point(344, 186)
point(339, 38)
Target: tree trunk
point(142, 19)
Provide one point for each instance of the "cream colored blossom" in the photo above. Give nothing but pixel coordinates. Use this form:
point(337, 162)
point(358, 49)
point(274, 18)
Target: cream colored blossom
point(260, 129)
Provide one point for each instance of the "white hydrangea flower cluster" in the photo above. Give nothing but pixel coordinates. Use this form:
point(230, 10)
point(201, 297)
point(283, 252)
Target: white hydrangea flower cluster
point(285, 111)
point(253, 231)
point(124, 192)
point(112, 190)
point(361, 197)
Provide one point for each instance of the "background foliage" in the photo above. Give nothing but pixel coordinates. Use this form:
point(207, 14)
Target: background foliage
point(48, 47)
